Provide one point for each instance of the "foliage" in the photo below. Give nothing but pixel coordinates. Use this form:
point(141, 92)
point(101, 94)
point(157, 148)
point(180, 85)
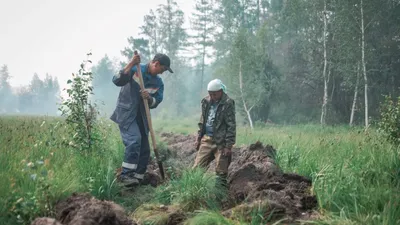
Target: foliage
point(25, 207)
point(195, 189)
point(390, 119)
point(203, 28)
point(39, 168)
point(80, 113)
point(139, 44)
point(209, 218)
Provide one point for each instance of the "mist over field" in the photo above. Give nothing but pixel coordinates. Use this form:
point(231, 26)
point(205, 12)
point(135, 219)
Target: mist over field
point(316, 86)
point(296, 65)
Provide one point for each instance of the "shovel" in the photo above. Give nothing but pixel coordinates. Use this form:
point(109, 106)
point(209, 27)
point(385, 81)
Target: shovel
point(153, 138)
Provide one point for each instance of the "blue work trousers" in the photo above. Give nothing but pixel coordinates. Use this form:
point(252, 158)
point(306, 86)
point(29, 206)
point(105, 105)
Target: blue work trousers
point(137, 149)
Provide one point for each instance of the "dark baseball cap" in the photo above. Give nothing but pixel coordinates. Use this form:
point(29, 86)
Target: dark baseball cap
point(164, 60)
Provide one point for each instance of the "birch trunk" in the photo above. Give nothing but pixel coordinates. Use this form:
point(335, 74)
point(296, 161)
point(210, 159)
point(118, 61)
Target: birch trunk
point(353, 107)
point(363, 65)
point(204, 54)
point(325, 97)
point(246, 109)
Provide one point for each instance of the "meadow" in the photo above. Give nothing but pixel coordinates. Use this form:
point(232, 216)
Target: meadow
point(355, 174)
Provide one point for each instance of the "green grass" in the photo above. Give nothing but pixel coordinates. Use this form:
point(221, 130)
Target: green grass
point(194, 189)
point(210, 218)
point(355, 174)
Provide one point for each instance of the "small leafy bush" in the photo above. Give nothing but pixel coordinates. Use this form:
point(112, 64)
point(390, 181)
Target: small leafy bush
point(79, 112)
point(390, 119)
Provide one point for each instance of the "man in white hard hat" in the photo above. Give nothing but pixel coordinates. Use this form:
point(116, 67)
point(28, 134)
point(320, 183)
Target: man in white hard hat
point(217, 130)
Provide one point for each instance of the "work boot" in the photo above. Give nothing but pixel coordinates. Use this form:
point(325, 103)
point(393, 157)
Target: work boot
point(128, 181)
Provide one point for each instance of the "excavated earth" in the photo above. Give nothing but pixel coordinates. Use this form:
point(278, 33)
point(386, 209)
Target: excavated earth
point(255, 181)
point(83, 209)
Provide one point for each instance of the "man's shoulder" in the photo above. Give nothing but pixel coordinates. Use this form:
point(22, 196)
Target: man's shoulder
point(229, 100)
point(205, 99)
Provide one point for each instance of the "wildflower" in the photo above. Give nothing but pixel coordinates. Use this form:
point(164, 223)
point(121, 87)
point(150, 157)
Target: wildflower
point(33, 176)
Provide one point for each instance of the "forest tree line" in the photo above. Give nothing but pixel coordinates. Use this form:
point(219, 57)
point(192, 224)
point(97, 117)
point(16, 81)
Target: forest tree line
point(39, 97)
point(297, 61)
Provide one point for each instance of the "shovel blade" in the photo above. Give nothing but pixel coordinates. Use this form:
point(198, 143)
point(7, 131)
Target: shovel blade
point(161, 167)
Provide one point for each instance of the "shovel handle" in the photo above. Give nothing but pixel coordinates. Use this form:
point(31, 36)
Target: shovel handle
point(146, 106)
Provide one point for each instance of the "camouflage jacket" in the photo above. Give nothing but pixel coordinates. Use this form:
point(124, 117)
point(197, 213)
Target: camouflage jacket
point(224, 126)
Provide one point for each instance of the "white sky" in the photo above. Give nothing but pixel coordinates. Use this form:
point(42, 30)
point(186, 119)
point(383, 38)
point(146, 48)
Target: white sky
point(53, 36)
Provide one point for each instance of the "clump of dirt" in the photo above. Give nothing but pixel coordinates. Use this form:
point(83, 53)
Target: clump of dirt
point(182, 145)
point(83, 209)
point(45, 221)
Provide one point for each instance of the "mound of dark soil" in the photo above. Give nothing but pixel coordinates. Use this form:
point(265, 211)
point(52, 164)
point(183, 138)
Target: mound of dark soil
point(182, 145)
point(83, 209)
point(254, 176)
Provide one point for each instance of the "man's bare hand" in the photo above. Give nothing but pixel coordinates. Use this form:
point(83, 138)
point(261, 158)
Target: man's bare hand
point(226, 152)
point(145, 94)
point(135, 59)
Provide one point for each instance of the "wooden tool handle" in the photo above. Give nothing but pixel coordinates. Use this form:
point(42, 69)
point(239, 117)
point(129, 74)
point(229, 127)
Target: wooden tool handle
point(146, 105)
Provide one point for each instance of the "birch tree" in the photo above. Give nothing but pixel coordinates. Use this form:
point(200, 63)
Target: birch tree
point(363, 64)
point(353, 106)
point(324, 73)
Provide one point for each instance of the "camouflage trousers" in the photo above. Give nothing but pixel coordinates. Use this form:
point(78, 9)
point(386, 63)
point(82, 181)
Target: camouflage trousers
point(207, 153)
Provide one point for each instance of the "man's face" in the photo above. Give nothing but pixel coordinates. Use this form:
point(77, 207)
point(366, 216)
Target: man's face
point(156, 68)
point(215, 95)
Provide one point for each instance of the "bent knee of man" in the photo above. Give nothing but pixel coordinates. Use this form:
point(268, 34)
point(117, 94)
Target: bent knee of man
point(133, 139)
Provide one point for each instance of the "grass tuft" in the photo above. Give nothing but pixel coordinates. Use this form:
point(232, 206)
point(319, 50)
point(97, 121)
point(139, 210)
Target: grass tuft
point(195, 189)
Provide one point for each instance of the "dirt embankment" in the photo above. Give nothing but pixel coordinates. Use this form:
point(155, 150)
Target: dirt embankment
point(255, 181)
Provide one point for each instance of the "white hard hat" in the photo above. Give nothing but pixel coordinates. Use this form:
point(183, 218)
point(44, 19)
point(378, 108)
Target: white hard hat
point(215, 85)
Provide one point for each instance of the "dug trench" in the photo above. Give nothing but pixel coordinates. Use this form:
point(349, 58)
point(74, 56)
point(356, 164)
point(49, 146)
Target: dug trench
point(255, 181)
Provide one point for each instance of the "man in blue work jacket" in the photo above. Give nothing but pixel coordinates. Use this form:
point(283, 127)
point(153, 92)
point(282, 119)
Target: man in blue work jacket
point(130, 113)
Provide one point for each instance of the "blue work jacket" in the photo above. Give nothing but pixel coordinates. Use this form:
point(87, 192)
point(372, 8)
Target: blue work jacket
point(129, 101)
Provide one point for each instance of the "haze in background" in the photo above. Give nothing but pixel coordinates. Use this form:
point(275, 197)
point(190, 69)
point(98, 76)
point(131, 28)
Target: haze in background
point(53, 37)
